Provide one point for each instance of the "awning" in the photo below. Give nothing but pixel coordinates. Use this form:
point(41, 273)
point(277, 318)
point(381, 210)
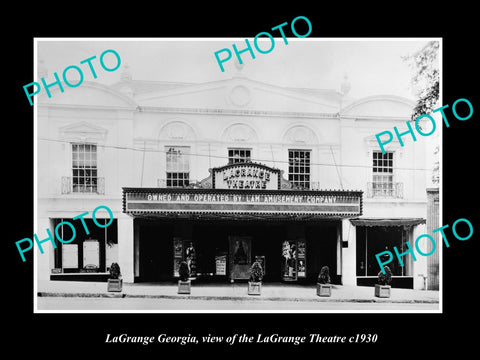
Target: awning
point(387, 222)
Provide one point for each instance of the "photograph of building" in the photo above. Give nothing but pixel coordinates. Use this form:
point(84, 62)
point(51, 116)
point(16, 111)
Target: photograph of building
point(220, 173)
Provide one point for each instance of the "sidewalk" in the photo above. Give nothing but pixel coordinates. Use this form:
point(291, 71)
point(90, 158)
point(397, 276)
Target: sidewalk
point(236, 291)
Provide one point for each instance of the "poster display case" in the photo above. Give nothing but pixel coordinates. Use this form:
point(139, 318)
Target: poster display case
point(221, 264)
point(91, 254)
point(184, 250)
point(69, 256)
point(293, 260)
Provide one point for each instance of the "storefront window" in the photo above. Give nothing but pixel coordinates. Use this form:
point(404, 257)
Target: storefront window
point(372, 240)
point(94, 252)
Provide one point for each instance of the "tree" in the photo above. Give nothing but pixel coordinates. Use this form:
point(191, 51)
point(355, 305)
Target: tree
point(426, 84)
point(425, 79)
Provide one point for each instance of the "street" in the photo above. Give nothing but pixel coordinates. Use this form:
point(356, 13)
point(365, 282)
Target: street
point(147, 304)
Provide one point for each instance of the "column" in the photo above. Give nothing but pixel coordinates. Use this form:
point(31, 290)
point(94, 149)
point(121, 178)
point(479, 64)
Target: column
point(433, 222)
point(43, 262)
point(125, 247)
point(349, 254)
point(420, 266)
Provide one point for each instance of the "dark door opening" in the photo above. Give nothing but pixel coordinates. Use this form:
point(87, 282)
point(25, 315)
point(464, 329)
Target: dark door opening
point(322, 251)
point(156, 252)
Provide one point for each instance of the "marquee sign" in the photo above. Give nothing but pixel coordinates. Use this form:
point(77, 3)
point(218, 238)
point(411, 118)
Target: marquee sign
point(241, 189)
point(139, 201)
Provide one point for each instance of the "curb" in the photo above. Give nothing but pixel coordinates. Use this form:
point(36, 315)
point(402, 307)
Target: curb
point(233, 298)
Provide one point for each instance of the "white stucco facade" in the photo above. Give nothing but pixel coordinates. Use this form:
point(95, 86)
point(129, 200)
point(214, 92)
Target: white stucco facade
point(132, 123)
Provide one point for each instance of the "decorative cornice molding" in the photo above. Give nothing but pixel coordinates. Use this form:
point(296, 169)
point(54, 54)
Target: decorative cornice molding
point(83, 131)
point(373, 117)
point(236, 112)
point(77, 107)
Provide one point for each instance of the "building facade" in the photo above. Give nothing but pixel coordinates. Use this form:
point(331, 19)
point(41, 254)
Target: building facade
point(220, 174)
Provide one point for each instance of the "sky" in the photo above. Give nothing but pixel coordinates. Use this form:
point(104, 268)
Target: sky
point(373, 66)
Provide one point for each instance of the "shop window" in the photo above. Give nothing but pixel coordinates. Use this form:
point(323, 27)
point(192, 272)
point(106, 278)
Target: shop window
point(382, 184)
point(90, 253)
point(372, 240)
point(178, 166)
point(239, 155)
point(299, 168)
point(84, 168)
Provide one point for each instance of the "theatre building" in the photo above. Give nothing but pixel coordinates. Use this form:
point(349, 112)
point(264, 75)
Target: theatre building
point(223, 173)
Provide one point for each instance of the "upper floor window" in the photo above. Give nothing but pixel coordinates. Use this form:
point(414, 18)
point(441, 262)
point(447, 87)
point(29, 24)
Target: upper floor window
point(84, 168)
point(178, 166)
point(382, 184)
point(239, 155)
point(299, 168)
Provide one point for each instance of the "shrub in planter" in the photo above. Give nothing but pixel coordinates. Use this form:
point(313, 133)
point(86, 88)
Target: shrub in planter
point(255, 280)
point(324, 288)
point(115, 280)
point(184, 281)
point(382, 288)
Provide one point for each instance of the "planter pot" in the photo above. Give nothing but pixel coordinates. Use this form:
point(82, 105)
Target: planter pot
point(184, 287)
point(382, 291)
point(324, 289)
point(254, 288)
point(114, 285)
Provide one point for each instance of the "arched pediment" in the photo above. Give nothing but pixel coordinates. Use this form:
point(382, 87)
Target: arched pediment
point(177, 130)
point(240, 94)
point(300, 134)
point(83, 131)
point(87, 94)
point(240, 132)
point(380, 106)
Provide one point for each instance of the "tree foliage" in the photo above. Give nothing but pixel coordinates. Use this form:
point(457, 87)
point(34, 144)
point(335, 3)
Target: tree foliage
point(184, 271)
point(425, 79)
point(324, 276)
point(256, 272)
point(385, 279)
point(114, 271)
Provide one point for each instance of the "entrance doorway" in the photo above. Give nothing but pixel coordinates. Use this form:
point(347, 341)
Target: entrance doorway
point(240, 257)
point(226, 250)
point(155, 250)
point(322, 251)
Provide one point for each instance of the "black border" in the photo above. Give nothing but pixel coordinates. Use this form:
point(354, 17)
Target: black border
point(84, 334)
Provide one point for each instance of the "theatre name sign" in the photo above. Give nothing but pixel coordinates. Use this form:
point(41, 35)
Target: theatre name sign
point(246, 188)
point(246, 176)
